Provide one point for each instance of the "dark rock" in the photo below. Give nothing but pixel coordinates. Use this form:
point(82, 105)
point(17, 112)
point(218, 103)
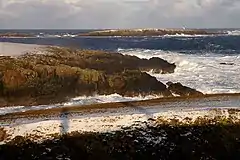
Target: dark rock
point(157, 65)
point(119, 62)
point(179, 89)
point(140, 82)
point(99, 60)
point(225, 63)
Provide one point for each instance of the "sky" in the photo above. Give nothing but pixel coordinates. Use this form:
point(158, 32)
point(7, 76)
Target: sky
point(102, 14)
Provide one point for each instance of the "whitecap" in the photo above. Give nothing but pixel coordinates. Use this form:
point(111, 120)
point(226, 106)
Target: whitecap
point(201, 71)
point(234, 32)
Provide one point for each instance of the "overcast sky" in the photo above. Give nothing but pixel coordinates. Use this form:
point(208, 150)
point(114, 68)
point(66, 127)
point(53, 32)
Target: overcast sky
point(96, 14)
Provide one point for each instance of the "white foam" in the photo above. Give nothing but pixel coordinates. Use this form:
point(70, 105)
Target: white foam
point(82, 100)
point(42, 35)
point(201, 71)
point(235, 32)
point(15, 109)
point(187, 35)
point(69, 35)
point(106, 99)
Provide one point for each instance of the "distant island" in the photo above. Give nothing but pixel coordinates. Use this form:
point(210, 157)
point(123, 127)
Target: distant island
point(147, 32)
point(15, 35)
point(120, 32)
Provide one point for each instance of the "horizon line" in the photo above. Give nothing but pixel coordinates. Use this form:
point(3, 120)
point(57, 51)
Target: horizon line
point(110, 28)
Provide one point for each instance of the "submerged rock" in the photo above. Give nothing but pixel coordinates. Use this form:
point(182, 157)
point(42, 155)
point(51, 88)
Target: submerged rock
point(179, 89)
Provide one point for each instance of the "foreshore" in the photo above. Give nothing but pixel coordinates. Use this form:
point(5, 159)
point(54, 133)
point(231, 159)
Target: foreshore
point(231, 100)
point(168, 125)
point(105, 116)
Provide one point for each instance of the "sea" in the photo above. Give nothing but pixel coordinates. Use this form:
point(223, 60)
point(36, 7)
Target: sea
point(210, 64)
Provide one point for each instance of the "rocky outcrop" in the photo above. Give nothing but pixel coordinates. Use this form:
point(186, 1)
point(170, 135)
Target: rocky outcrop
point(179, 89)
point(64, 73)
point(146, 32)
point(108, 62)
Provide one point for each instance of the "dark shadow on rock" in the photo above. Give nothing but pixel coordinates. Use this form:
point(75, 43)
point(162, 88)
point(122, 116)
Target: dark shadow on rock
point(179, 89)
point(64, 121)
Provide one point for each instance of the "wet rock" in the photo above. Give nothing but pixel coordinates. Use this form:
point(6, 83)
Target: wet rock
point(179, 89)
point(226, 63)
point(160, 66)
point(135, 82)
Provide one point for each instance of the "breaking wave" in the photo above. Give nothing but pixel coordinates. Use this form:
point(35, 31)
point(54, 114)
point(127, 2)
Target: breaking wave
point(209, 72)
point(234, 32)
point(82, 100)
point(42, 35)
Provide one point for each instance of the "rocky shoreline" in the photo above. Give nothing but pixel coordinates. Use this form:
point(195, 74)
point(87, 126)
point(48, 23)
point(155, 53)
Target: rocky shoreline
point(57, 74)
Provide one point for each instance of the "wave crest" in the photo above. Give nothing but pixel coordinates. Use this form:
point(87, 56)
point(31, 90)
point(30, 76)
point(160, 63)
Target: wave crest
point(208, 73)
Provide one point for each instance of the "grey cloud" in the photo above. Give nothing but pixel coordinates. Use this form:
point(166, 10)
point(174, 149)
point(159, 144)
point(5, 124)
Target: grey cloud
point(119, 13)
